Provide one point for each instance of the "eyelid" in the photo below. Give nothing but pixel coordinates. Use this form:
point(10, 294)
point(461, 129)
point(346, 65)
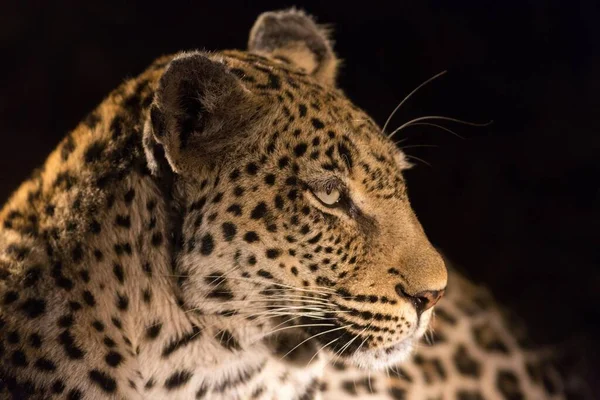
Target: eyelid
point(328, 185)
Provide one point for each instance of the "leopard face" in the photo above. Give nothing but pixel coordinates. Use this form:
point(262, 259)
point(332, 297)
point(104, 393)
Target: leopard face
point(295, 215)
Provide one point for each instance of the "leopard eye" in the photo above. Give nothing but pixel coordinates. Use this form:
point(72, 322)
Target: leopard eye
point(328, 197)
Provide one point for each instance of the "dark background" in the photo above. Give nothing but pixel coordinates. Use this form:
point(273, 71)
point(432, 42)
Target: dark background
point(517, 204)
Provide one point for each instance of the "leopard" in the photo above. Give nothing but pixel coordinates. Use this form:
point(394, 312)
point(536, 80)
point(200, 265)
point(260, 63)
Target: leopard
point(229, 225)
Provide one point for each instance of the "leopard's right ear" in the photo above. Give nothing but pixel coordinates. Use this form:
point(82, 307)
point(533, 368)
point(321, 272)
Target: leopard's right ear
point(199, 109)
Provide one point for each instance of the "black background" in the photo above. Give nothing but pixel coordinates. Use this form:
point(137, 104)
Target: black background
point(517, 204)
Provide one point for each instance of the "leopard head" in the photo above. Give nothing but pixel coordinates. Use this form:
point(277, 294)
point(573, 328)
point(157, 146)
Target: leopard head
point(294, 208)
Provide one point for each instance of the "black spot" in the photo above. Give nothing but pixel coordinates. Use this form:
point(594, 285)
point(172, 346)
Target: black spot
point(94, 151)
point(129, 196)
point(65, 321)
point(147, 269)
point(207, 244)
point(238, 191)
point(178, 379)
point(345, 154)
point(198, 204)
point(89, 299)
point(283, 162)
point(122, 302)
point(202, 390)
point(486, 337)
point(397, 393)
point(227, 340)
point(252, 260)
point(234, 175)
point(67, 340)
point(102, 379)
point(67, 148)
point(302, 110)
point(251, 237)
point(508, 384)
point(35, 340)
point(74, 394)
point(157, 239)
point(118, 272)
point(95, 227)
point(58, 386)
point(123, 221)
point(279, 202)
point(468, 395)
point(113, 359)
point(49, 210)
point(146, 296)
point(98, 255)
point(317, 123)
point(292, 194)
point(270, 179)
point(178, 343)
point(465, 364)
point(150, 384)
point(92, 119)
point(229, 231)
point(43, 364)
point(235, 209)
point(259, 211)
point(85, 275)
point(75, 306)
point(33, 307)
point(77, 253)
point(273, 253)
point(252, 168)
point(300, 149)
point(116, 322)
point(10, 297)
point(98, 325)
point(32, 276)
point(123, 248)
point(315, 238)
point(19, 359)
point(153, 331)
point(265, 274)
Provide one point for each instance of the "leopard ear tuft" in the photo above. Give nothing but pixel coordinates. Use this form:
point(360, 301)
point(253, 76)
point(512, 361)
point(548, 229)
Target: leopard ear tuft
point(294, 36)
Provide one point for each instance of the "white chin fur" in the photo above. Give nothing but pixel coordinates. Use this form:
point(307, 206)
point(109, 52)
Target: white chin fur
point(379, 359)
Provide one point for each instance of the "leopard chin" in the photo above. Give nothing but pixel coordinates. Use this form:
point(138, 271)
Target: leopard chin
point(381, 359)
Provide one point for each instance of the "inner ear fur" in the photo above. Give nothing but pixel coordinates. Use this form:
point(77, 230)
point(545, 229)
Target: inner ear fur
point(294, 36)
point(200, 109)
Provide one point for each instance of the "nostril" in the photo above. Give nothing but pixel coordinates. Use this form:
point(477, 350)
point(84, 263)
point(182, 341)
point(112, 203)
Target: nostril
point(422, 301)
point(401, 292)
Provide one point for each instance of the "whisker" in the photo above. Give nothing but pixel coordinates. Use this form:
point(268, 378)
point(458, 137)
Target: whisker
point(438, 117)
point(407, 97)
point(339, 353)
point(314, 336)
point(419, 159)
point(418, 145)
point(322, 348)
point(436, 126)
point(299, 326)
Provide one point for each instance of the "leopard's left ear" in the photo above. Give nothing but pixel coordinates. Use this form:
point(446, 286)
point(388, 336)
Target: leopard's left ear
point(292, 35)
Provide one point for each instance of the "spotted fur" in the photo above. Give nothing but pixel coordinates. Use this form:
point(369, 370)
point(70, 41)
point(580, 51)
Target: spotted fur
point(174, 245)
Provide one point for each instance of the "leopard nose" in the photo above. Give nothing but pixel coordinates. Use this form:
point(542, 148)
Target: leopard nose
point(422, 301)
